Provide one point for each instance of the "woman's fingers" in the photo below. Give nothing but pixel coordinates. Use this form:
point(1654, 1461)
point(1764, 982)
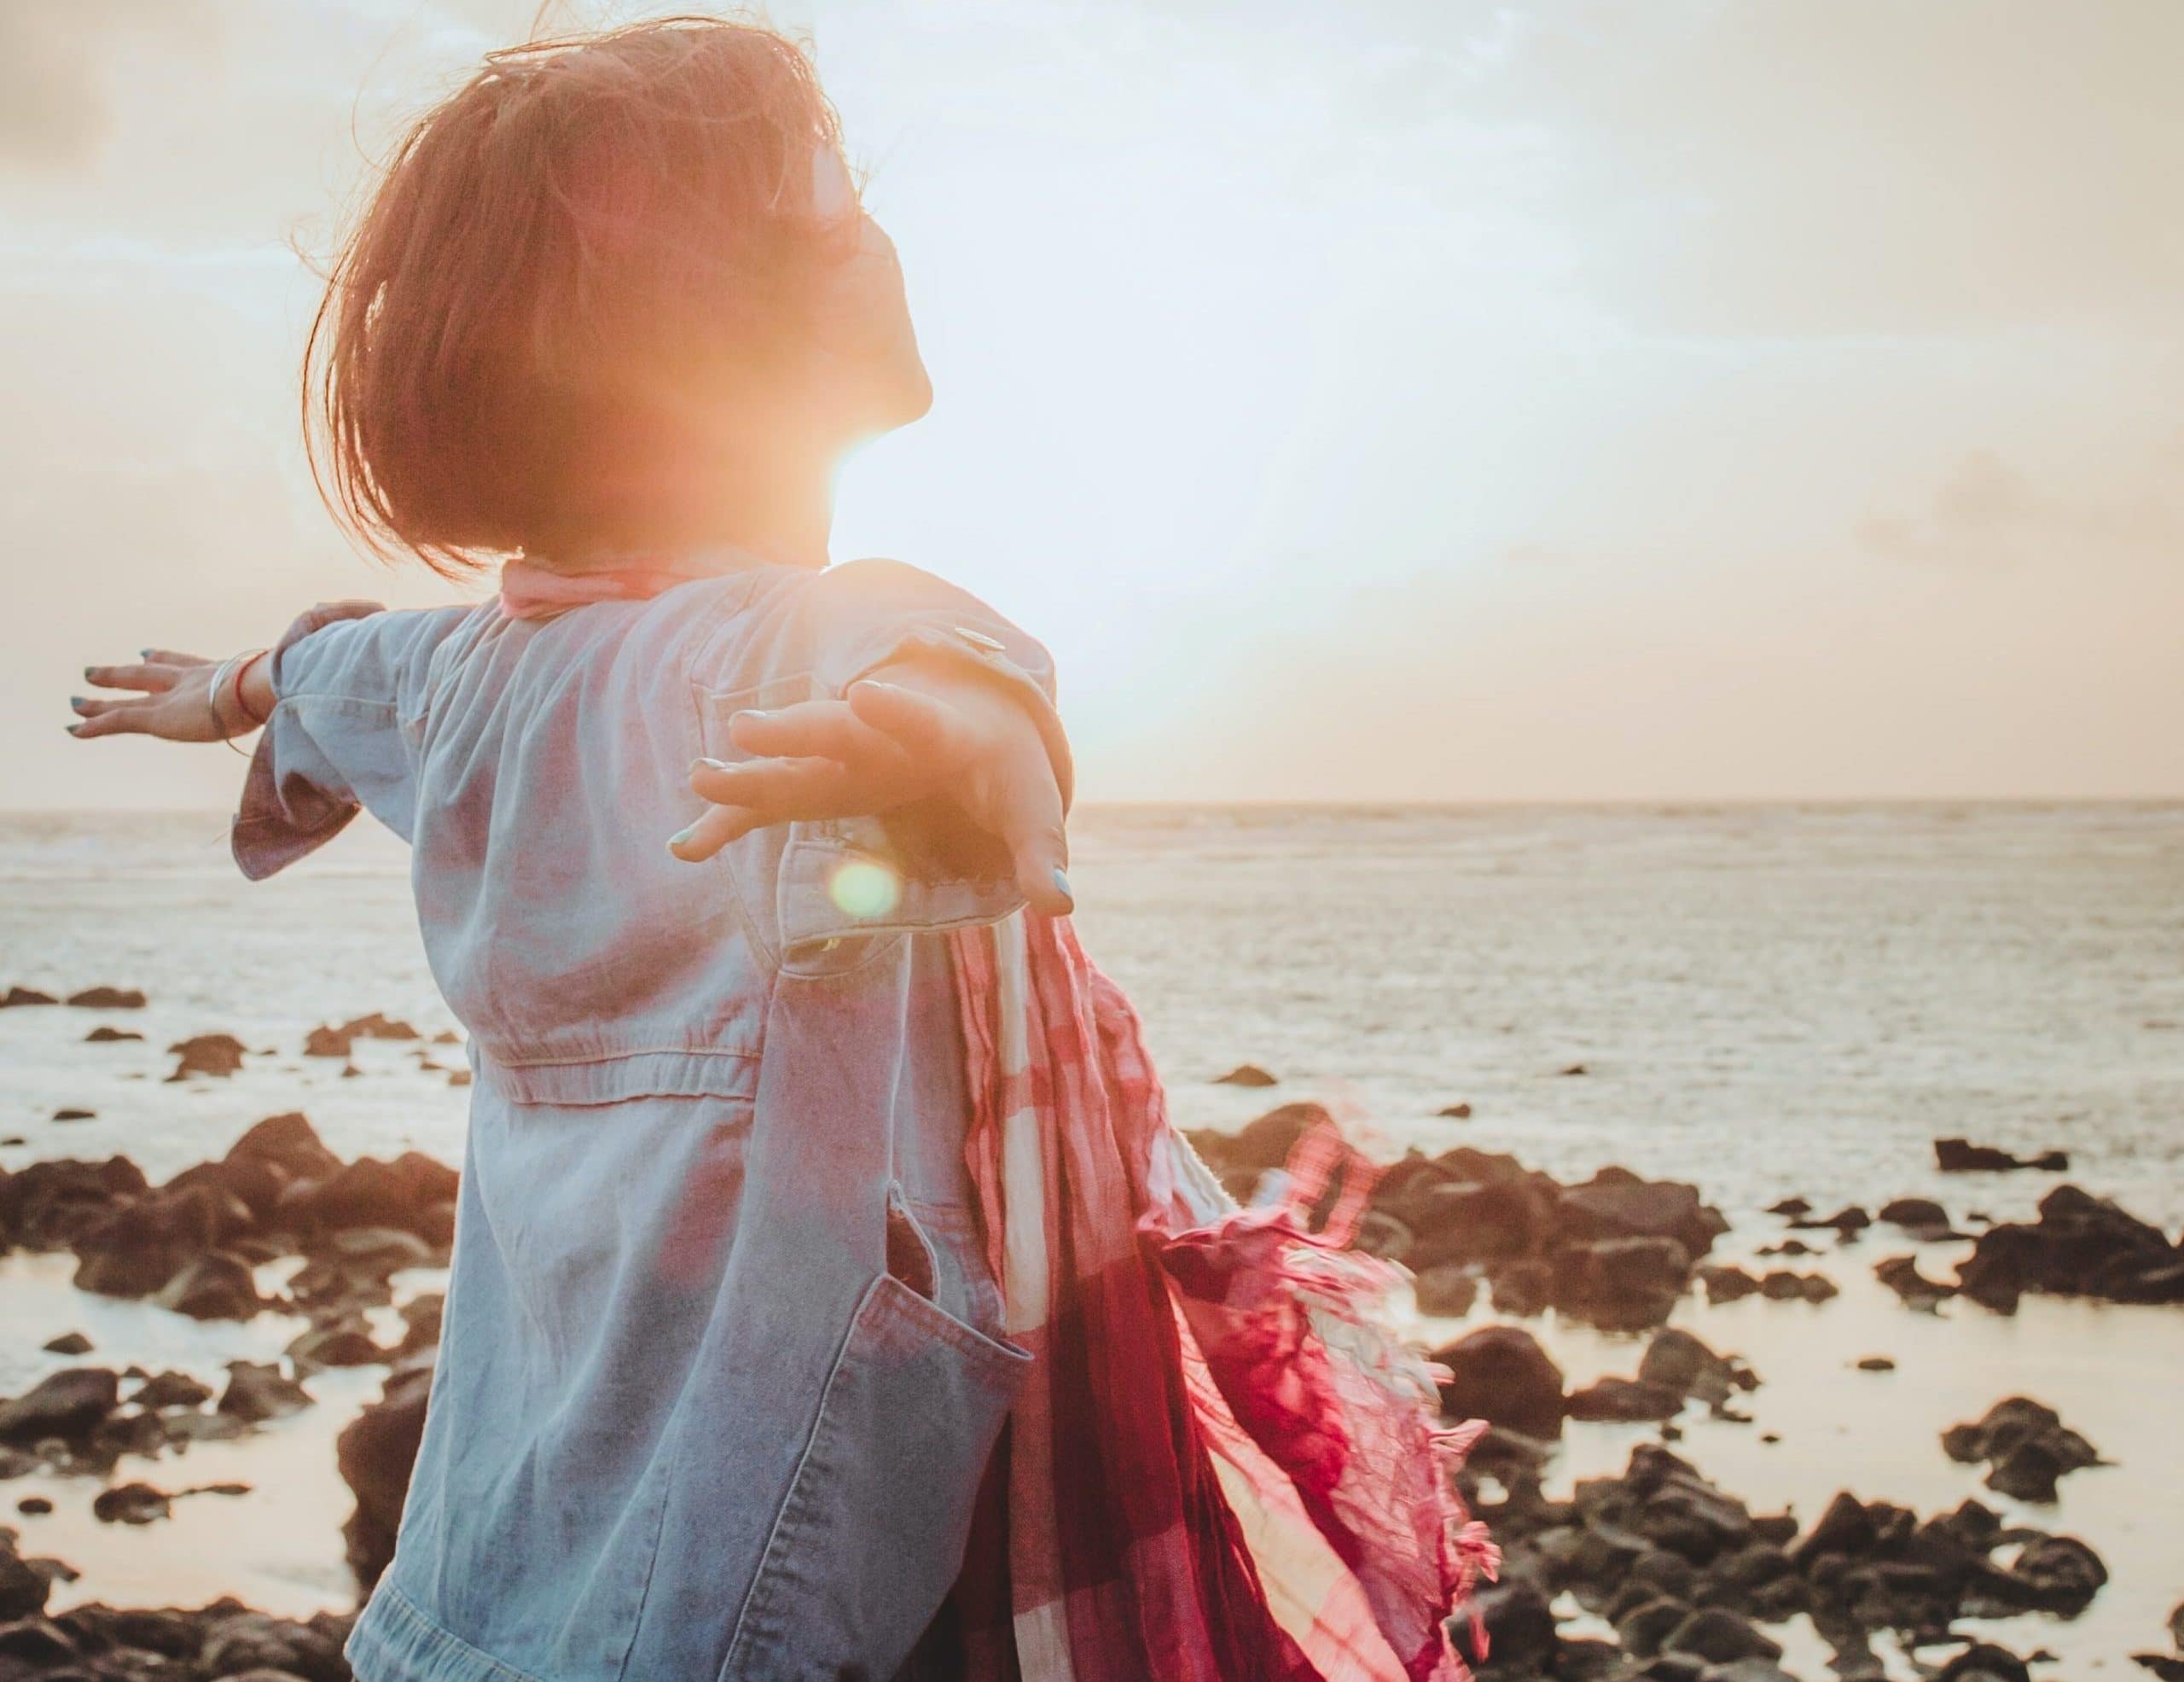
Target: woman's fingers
point(150, 678)
point(1029, 822)
point(782, 789)
point(109, 718)
point(815, 730)
point(173, 657)
point(720, 825)
point(927, 728)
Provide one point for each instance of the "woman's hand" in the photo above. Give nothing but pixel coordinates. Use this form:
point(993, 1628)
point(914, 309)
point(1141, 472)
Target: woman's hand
point(173, 700)
point(185, 697)
point(888, 745)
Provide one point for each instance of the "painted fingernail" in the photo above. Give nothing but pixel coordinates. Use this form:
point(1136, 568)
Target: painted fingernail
point(143, 654)
point(76, 702)
point(88, 670)
point(1062, 888)
point(714, 765)
point(75, 730)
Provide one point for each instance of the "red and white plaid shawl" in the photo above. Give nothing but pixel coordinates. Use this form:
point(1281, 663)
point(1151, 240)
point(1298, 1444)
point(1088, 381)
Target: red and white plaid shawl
point(1223, 1467)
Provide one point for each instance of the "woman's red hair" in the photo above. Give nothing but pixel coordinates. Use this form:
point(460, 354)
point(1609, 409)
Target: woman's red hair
point(565, 261)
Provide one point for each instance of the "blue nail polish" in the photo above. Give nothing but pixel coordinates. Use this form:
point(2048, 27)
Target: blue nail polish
point(681, 836)
point(1061, 886)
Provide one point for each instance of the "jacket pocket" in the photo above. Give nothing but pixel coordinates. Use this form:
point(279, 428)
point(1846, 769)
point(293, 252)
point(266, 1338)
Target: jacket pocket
point(871, 1534)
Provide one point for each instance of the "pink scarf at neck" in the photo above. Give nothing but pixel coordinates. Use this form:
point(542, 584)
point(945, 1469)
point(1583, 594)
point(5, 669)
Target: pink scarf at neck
point(534, 587)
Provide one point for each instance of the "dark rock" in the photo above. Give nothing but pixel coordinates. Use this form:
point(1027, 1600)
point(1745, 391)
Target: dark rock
point(1961, 1156)
point(1447, 1290)
point(1876, 1364)
point(2059, 1574)
point(2168, 1669)
point(1781, 1285)
point(1846, 1220)
point(349, 1344)
point(1622, 1284)
point(130, 1504)
point(1790, 1207)
point(1247, 1074)
point(1523, 1288)
point(1378, 1233)
point(1644, 1628)
point(1460, 1221)
point(376, 1451)
point(69, 1344)
point(1455, 1112)
point(290, 1143)
point(74, 1114)
point(1916, 1214)
point(1519, 1627)
point(1721, 1637)
point(103, 1035)
point(1901, 1274)
point(1983, 1662)
point(2028, 1445)
point(420, 1321)
point(1575, 1068)
point(258, 1391)
point(107, 999)
point(45, 1205)
point(1501, 1374)
point(216, 1286)
point(219, 1055)
point(1616, 1204)
point(23, 1587)
point(1678, 1361)
point(17, 997)
point(35, 1642)
point(244, 1641)
point(172, 1389)
point(1726, 1283)
point(69, 1405)
point(1264, 1143)
point(1624, 1399)
point(369, 1192)
point(33, 1506)
point(140, 1246)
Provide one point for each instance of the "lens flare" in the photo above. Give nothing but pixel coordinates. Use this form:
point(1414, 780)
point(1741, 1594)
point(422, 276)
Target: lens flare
point(865, 887)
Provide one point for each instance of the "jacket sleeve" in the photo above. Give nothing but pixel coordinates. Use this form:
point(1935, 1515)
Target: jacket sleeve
point(350, 695)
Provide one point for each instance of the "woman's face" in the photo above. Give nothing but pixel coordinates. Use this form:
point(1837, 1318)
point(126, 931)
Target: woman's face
point(869, 350)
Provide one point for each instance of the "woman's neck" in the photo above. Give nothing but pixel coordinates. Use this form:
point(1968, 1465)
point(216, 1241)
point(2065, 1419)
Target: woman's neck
point(782, 513)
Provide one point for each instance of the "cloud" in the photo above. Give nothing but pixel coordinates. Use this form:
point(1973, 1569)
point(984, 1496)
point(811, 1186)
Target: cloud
point(57, 75)
point(1989, 513)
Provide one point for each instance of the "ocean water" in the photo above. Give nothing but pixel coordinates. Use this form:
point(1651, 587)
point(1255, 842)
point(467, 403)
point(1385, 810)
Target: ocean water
point(1765, 1000)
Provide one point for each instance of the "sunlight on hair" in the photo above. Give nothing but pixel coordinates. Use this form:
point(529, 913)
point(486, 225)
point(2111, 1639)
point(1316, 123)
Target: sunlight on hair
point(865, 887)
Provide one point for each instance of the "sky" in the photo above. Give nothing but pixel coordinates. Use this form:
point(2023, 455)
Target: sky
point(1384, 400)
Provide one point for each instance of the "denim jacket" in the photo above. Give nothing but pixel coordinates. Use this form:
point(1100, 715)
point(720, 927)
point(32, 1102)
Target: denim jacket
point(721, 1366)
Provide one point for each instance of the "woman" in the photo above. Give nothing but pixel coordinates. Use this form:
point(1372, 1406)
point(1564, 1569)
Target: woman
point(766, 1153)
point(613, 311)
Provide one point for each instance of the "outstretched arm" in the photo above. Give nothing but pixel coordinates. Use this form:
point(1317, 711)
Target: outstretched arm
point(185, 697)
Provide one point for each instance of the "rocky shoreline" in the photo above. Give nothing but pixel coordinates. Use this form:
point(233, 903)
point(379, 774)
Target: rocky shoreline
point(1652, 1572)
